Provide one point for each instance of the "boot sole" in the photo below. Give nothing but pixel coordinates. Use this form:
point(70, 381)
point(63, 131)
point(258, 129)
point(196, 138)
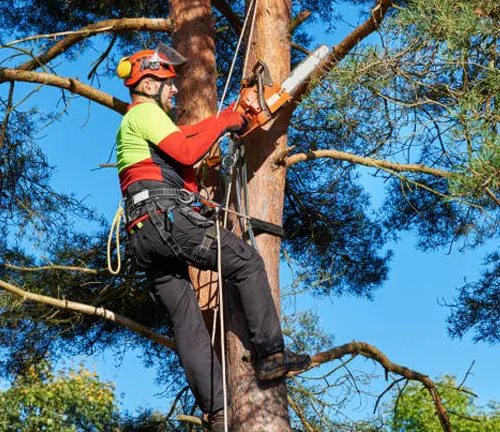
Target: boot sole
point(282, 373)
point(279, 373)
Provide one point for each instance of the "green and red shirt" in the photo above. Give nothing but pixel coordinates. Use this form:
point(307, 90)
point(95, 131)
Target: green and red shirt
point(151, 147)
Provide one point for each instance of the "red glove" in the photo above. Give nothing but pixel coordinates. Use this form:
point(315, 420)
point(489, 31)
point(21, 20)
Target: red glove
point(235, 122)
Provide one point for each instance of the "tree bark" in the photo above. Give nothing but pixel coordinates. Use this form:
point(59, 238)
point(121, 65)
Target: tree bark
point(259, 407)
point(194, 39)
point(197, 98)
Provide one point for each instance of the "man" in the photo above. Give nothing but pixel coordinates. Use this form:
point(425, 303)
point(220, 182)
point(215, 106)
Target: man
point(157, 178)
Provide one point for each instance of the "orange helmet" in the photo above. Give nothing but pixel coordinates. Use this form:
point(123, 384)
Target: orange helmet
point(157, 63)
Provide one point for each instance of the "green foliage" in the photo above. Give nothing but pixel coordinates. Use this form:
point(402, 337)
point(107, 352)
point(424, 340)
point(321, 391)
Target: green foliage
point(424, 90)
point(426, 94)
point(450, 22)
point(69, 401)
point(305, 333)
point(29, 206)
point(482, 172)
point(335, 244)
point(476, 306)
point(413, 410)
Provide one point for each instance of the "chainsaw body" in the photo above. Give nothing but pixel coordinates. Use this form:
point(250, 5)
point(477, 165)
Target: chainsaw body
point(260, 98)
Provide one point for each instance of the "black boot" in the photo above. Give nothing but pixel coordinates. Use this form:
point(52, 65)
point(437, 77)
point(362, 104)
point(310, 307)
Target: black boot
point(279, 364)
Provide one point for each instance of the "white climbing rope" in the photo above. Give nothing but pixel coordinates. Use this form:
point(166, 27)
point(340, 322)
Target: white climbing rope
point(253, 6)
point(222, 329)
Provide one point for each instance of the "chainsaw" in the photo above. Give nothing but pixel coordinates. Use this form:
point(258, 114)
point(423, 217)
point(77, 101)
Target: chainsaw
point(260, 98)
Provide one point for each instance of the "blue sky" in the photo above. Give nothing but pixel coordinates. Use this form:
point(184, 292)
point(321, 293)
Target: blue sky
point(405, 321)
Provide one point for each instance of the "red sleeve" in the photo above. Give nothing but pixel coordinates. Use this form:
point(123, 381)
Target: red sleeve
point(190, 144)
point(189, 130)
point(197, 128)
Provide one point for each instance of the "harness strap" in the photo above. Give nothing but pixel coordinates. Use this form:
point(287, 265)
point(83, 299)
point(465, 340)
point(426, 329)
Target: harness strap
point(181, 197)
point(137, 200)
point(159, 224)
point(156, 213)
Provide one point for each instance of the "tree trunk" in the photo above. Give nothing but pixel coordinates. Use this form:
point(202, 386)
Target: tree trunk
point(257, 407)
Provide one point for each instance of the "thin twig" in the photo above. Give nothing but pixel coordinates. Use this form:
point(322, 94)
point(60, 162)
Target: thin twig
point(389, 387)
point(8, 110)
point(54, 267)
point(102, 57)
point(300, 414)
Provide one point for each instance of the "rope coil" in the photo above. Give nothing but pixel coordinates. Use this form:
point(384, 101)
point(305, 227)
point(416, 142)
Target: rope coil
point(115, 227)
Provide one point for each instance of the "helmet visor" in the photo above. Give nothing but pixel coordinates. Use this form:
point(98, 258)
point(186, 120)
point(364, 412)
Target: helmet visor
point(165, 54)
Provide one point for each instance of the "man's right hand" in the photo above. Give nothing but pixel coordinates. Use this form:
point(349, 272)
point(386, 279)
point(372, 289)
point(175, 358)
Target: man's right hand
point(236, 122)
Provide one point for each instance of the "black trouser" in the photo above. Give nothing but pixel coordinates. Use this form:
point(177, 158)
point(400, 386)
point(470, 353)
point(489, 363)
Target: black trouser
point(242, 268)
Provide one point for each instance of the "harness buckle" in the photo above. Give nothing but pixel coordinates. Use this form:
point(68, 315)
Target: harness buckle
point(185, 197)
point(140, 196)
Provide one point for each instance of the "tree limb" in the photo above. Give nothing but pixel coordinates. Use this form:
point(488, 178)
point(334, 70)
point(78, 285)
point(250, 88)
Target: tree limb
point(358, 34)
point(299, 19)
point(344, 47)
point(90, 310)
point(223, 7)
point(119, 25)
point(189, 419)
point(369, 351)
point(73, 85)
point(340, 155)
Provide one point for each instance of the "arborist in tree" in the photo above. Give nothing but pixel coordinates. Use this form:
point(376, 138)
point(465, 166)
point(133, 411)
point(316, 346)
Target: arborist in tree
point(167, 233)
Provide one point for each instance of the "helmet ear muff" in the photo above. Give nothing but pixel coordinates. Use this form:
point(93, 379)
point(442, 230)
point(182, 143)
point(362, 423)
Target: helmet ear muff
point(124, 68)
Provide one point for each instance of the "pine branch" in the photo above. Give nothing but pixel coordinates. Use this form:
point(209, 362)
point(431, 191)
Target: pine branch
point(299, 19)
point(344, 47)
point(71, 84)
point(119, 25)
point(223, 7)
point(349, 157)
point(55, 267)
point(90, 310)
point(369, 351)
